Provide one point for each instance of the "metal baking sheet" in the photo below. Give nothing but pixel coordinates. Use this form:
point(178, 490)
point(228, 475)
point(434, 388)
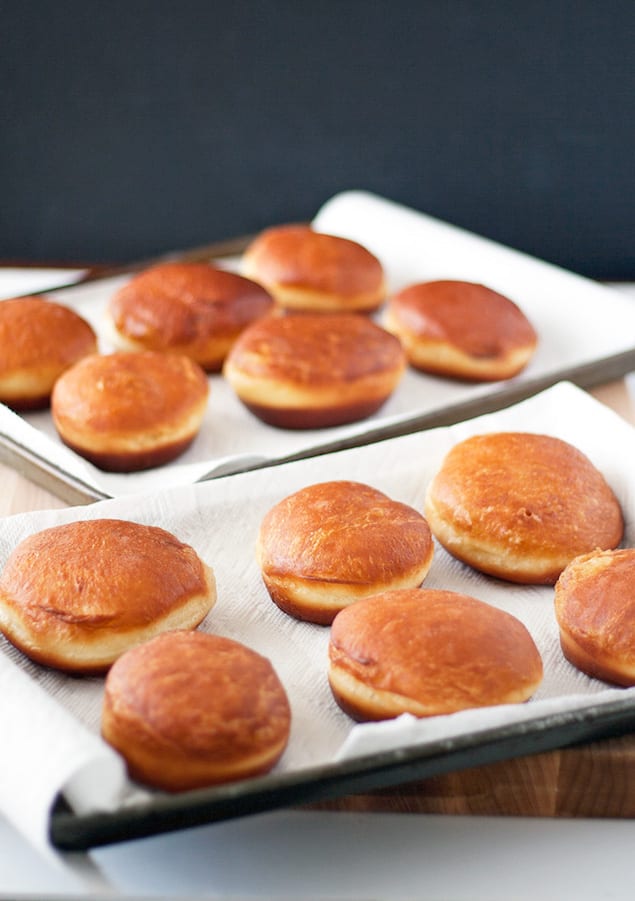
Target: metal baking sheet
point(220, 518)
point(586, 331)
point(70, 832)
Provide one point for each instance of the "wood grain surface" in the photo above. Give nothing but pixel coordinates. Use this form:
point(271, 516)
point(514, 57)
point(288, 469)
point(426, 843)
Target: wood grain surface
point(592, 780)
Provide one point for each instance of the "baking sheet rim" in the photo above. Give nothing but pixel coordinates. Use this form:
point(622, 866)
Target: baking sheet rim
point(77, 832)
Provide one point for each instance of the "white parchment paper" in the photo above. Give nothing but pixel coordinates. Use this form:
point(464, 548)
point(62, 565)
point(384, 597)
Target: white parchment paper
point(51, 721)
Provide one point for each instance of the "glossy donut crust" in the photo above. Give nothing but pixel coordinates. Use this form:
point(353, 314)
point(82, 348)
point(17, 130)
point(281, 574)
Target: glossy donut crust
point(314, 370)
point(521, 506)
point(191, 308)
point(461, 330)
point(75, 596)
point(130, 411)
point(190, 709)
point(595, 610)
point(308, 270)
point(428, 652)
point(39, 340)
point(332, 543)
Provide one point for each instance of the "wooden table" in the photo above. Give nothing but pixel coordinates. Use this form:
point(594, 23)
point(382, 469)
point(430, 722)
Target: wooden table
point(594, 780)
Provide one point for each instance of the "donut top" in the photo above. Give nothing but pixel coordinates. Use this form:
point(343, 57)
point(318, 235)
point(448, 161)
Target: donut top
point(34, 331)
point(202, 694)
point(100, 574)
point(469, 316)
point(175, 304)
point(527, 491)
point(297, 256)
point(127, 392)
point(445, 649)
point(316, 348)
point(342, 531)
point(595, 601)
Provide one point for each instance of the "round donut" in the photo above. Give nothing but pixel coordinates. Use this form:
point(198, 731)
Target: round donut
point(461, 330)
point(521, 506)
point(189, 308)
point(187, 710)
point(314, 370)
point(330, 544)
point(428, 652)
point(595, 611)
point(126, 412)
point(308, 270)
point(39, 340)
point(76, 596)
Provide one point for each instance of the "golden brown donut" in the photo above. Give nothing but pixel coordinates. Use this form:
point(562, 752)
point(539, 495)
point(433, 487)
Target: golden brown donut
point(188, 709)
point(130, 411)
point(427, 653)
point(314, 370)
point(76, 596)
point(308, 270)
point(330, 544)
point(461, 330)
point(595, 611)
point(189, 308)
point(39, 340)
point(521, 506)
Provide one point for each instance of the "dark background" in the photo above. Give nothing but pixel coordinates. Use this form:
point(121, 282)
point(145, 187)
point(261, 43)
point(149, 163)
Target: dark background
point(133, 128)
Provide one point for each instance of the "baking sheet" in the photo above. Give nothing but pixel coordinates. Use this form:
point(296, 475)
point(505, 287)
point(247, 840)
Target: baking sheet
point(53, 719)
point(586, 331)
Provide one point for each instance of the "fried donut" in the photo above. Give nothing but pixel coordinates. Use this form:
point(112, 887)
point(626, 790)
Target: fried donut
point(428, 652)
point(190, 308)
point(521, 506)
point(126, 412)
point(188, 709)
point(461, 330)
point(39, 340)
point(76, 596)
point(314, 370)
point(595, 611)
point(308, 270)
point(330, 544)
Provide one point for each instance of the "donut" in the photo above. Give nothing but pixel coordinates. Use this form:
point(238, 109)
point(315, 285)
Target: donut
point(428, 652)
point(190, 308)
point(461, 330)
point(308, 270)
point(39, 340)
point(520, 506)
point(313, 370)
point(595, 611)
point(331, 543)
point(76, 596)
point(126, 412)
point(188, 710)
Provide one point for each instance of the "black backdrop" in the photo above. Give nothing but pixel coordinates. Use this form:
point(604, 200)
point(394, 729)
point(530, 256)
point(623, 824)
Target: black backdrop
point(130, 127)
